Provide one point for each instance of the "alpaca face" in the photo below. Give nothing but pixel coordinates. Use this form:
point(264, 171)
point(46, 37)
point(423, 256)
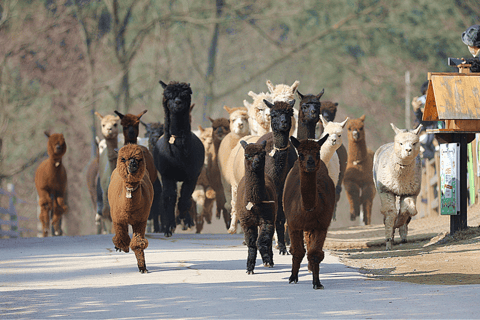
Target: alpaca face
point(355, 128)
point(177, 97)
point(310, 108)
point(308, 153)
point(131, 163)
point(130, 124)
point(239, 122)
point(254, 155)
point(282, 92)
point(281, 114)
point(328, 109)
point(221, 127)
point(334, 130)
point(406, 144)
point(259, 114)
point(109, 125)
point(56, 145)
point(206, 136)
point(154, 131)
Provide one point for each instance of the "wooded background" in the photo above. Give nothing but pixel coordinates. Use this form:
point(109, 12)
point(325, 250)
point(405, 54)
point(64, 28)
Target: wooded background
point(61, 60)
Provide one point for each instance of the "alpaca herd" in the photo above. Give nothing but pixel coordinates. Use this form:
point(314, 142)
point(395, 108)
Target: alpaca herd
point(261, 168)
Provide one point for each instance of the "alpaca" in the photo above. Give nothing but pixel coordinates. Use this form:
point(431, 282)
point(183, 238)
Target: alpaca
point(179, 154)
point(51, 184)
point(285, 93)
point(258, 113)
point(256, 206)
point(358, 179)
point(154, 131)
point(107, 162)
point(308, 201)
point(328, 109)
point(328, 152)
point(277, 160)
point(130, 196)
point(308, 115)
point(221, 127)
point(397, 173)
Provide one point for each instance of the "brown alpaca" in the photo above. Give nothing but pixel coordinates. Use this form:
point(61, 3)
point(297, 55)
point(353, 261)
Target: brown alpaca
point(257, 205)
point(130, 196)
point(308, 201)
point(51, 184)
point(358, 179)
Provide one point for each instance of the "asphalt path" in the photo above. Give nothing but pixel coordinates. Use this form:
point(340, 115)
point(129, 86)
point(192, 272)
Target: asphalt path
point(200, 277)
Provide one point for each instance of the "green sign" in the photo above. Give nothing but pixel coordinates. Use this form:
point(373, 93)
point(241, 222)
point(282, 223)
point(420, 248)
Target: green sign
point(449, 178)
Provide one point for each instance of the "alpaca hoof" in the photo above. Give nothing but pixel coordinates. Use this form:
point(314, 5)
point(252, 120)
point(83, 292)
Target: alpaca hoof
point(58, 233)
point(318, 286)
point(388, 245)
point(143, 270)
point(352, 217)
point(282, 250)
point(293, 279)
point(250, 272)
point(404, 240)
point(268, 264)
point(232, 230)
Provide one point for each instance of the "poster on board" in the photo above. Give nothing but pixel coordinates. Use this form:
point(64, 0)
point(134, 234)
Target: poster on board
point(449, 178)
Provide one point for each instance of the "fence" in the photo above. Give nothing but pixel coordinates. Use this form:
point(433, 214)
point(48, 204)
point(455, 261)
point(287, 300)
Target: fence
point(428, 200)
point(14, 231)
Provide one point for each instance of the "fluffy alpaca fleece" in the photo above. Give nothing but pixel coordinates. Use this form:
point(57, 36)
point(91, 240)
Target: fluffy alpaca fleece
point(285, 93)
point(308, 201)
point(258, 113)
point(131, 195)
point(397, 172)
point(51, 182)
point(358, 179)
point(256, 206)
point(328, 152)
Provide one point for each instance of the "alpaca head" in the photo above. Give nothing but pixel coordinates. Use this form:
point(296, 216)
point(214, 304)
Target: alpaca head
point(177, 97)
point(109, 125)
point(258, 113)
point(308, 153)
point(221, 127)
point(282, 92)
point(56, 147)
point(154, 130)
point(406, 145)
point(206, 136)
point(310, 107)
point(254, 155)
point(130, 124)
point(328, 109)
point(355, 128)
point(131, 164)
point(334, 131)
point(281, 114)
point(238, 120)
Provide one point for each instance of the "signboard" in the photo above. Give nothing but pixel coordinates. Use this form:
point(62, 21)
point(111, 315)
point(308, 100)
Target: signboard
point(450, 178)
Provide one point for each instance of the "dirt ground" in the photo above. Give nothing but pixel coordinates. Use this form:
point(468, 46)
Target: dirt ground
point(431, 255)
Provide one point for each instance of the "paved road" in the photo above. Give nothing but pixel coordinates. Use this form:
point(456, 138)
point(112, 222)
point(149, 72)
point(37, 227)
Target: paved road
point(200, 277)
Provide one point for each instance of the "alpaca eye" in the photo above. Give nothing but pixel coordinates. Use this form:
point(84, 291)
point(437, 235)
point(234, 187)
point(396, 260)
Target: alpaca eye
point(123, 159)
point(301, 157)
point(115, 125)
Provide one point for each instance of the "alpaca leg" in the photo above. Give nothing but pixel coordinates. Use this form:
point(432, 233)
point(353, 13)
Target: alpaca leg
point(264, 243)
point(121, 239)
point(185, 202)
point(251, 235)
point(234, 215)
point(388, 209)
point(368, 193)
point(315, 254)
point(45, 204)
point(297, 249)
point(139, 244)
point(407, 209)
point(98, 216)
point(169, 201)
point(59, 209)
point(353, 195)
point(208, 206)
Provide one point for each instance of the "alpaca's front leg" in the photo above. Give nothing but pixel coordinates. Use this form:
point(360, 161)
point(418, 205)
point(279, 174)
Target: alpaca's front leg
point(315, 254)
point(353, 195)
point(408, 209)
point(139, 244)
point(234, 215)
point(297, 249)
point(368, 193)
point(185, 202)
point(45, 203)
point(121, 239)
point(169, 200)
point(388, 209)
point(59, 209)
point(264, 244)
point(251, 235)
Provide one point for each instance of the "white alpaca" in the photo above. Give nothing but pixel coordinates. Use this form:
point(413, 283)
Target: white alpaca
point(397, 174)
point(328, 152)
point(258, 113)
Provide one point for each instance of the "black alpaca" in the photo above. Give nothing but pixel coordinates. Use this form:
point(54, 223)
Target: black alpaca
point(279, 158)
point(179, 155)
point(308, 115)
point(256, 206)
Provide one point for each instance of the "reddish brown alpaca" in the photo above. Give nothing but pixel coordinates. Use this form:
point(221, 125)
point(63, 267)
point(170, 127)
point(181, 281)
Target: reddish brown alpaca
point(130, 195)
point(358, 179)
point(308, 201)
point(51, 184)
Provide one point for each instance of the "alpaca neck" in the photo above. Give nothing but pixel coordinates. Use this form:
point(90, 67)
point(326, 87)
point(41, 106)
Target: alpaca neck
point(308, 189)
point(179, 124)
point(280, 139)
point(326, 152)
point(56, 161)
point(306, 130)
point(216, 144)
point(255, 186)
point(359, 150)
point(112, 144)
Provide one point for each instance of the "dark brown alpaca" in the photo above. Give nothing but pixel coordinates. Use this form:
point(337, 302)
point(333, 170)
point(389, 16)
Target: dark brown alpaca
point(221, 127)
point(309, 201)
point(256, 206)
point(130, 195)
point(51, 184)
point(358, 179)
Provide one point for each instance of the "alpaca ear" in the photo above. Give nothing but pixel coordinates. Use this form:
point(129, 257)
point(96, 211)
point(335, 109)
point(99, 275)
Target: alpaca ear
point(344, 123)
point(292, 103)
point(252, 94)
point(322, 140)
point(211, 120)
point(418, 129)
point(268, 103)
point(300, 95)
point(336, 104)
point(144, 124)
point(46, 133)
point(164, 85)
point(98, 115)
point(119, 114)
point(270, 86)
point(295, 142)
point(397, 131)
point(97, 140)
point(362, 118)
point(295, 86)
point(201, 128)
point(247, 104)
point(191, 107)
point(141, 114)
point(263, 144)
point(320, 94)
point(324, 121)
point(229, 110)
point(243, 143)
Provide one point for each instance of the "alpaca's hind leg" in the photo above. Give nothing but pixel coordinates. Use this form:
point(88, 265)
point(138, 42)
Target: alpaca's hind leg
point(45, 203)
point(315, 254)
point(169, 201)
point(297, 249)
point(251, 235)
point(264, 243)
point(368, 193)
point(139, 244)
point(185, 202)
point(353, 195)
point(121, 239)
